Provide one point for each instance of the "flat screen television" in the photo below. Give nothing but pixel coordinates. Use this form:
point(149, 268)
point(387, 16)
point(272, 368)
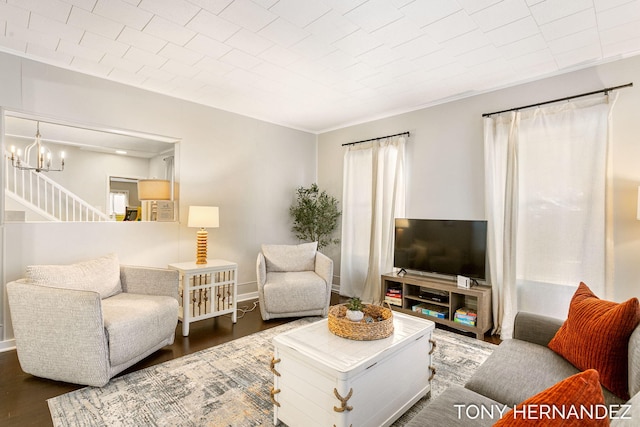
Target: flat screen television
point(441, 247)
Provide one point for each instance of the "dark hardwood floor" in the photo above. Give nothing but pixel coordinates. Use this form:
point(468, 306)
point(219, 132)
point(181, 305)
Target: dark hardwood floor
point(23, 397)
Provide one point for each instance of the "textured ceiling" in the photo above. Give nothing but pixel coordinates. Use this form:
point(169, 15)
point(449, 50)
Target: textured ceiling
point(320, 64)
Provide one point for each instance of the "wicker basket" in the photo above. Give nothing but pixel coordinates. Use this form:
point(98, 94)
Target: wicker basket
point(361, 331)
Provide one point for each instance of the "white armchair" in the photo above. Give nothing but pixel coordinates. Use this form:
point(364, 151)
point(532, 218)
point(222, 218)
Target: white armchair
point(86, 322)
point(293, 281)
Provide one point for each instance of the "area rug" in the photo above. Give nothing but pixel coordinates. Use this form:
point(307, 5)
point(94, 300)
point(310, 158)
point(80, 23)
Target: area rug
point(228, 385)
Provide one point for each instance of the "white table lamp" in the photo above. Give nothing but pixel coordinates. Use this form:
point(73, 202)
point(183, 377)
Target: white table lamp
point(149, 192)
point(203, 217)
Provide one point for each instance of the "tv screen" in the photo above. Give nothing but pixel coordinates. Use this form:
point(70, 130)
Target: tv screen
point(447, 247)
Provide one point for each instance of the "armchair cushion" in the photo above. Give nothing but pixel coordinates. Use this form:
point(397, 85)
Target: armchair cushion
point(100, 275)
point(300, 257)
point(304, 290)
point(135, 323)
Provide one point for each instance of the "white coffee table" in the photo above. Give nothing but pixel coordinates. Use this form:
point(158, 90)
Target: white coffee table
point(321, 379)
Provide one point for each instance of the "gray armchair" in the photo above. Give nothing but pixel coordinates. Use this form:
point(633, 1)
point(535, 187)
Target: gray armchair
point(86, 322)
point(293, 281)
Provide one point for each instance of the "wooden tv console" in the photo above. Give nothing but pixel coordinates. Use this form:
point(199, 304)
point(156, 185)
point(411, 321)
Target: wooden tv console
point(476, 297)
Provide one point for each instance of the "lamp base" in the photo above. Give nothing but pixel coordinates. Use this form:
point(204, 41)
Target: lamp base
point(201, 250)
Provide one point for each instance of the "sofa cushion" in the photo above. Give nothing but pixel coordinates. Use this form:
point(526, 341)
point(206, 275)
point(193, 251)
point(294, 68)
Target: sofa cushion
point(562, 405)
point(300, 257)
point(136, 323)
point(517, 370)
point(100, 275)
point(304, 290)
point(629, 414)
point(596, 335)
point(459, 407)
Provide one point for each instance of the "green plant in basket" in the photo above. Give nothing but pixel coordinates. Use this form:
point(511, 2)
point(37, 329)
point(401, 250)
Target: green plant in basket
point(355, 309)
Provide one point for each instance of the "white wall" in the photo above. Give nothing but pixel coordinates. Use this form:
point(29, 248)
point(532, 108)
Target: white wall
point(247, 167)
point(446, 175)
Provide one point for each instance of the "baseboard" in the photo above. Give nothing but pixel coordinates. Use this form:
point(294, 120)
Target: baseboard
point(247, 296)
point(7, 345)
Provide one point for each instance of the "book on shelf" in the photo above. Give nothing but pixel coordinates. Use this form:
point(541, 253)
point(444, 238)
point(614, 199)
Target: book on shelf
point(464, 321)
point(393, 299)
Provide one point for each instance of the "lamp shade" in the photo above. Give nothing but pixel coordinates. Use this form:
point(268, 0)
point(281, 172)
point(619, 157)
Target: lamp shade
point(204, 217)
point(154, 189)
point(638, 211)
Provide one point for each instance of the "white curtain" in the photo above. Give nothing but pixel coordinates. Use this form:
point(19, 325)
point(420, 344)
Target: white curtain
point(373, 196)
point(548, 200)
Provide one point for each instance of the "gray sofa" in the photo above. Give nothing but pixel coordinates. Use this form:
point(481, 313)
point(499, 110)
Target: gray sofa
point(516, 370)
point(86, 322)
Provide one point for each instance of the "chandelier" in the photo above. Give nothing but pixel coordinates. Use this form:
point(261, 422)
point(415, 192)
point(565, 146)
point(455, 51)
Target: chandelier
point(43, 156)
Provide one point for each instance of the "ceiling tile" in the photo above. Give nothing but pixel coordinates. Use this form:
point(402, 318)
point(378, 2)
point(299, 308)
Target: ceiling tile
point(212, 26)
point(120, 63)
point(622, 48)
point(331, 27)
point(472, 6)
point(22, 34)
point(300, 12)
point(207, 46)
point(417, 47)
point(99, 25)
point(54, 9)
point(76, 50)
point(278, 55)
point(167, 30)
point(466, 42)
point(398, 32)
point(479, 56)
point(359, 71)
point(571, 24)
point(380, 56)
point(240, 59)
point(425, 13)
point(373, 14)
point(125, 13)
point(179, 53)
point(283, 33)
point(501, 14)
point(51, 55)
point(56, 28)
point(620, 15)
point(126, 77)
point(212, 68)
point(178, 11)
point(90, 67)
point(156, 74)
point(357, 43)
point(450, 27)
point(144, 57)
point(12, 43)
point(620, 33)
point(249, 42)
point(84, 4)
point(601, 5)
point(574, 41)
point(524, 46)
point(17, 15)
point(179, 68)
point(313, 47)
point(551, 10)
point(141, 40)
point(578, 57)
point(213, 6)
point(103, 44)
point(337, 60)
point(513, 32)
point(247, 14)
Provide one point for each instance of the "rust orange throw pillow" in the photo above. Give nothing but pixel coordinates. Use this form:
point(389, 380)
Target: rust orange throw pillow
point(575, 401)
point(596, 335)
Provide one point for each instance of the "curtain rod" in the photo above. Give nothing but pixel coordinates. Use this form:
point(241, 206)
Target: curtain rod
point(605, 90)
point(375, 139)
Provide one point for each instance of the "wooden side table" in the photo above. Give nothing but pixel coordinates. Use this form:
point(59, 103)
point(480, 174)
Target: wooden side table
point(206, 290)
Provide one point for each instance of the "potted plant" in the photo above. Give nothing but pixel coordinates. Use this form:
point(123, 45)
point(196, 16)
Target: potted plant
point(354, 309)
point(315, 216)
